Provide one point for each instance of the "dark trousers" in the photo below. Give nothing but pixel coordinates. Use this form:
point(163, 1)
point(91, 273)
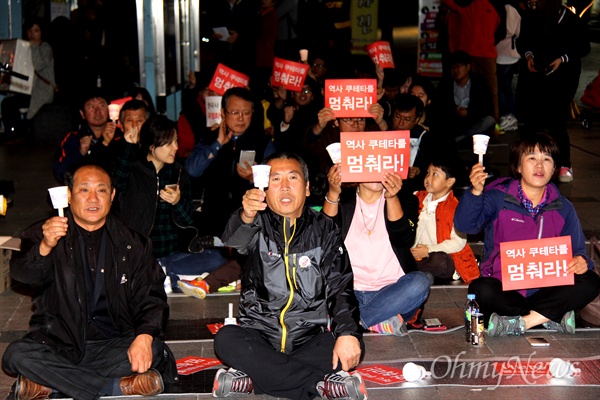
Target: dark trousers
point(292, 376)
point(103, 361)
point(11, 116)
point(551, 302)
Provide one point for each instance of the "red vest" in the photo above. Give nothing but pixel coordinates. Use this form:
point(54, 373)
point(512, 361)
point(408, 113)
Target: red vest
point(464, 260)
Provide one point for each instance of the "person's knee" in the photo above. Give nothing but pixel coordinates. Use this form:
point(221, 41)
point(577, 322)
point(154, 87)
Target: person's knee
point(12, 357)
point(421, 281)
point(225, 339)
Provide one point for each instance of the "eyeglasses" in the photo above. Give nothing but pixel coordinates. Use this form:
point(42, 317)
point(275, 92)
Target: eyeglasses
point(352, 121)
point(318, 65)
point(306, 91)
point(405, 119)
point(237, 113)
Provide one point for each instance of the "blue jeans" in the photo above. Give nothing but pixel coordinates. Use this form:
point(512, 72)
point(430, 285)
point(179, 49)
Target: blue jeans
point(403, 297)
point(191, 264)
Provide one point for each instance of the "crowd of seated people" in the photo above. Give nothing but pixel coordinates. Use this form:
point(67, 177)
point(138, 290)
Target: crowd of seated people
point(165, 192)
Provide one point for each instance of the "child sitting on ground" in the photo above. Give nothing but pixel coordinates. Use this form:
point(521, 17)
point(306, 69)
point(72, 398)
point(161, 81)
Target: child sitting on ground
point(439, 249)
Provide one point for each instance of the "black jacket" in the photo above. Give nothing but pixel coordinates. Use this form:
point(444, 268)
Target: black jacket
point(306, 283)
point(137, 301)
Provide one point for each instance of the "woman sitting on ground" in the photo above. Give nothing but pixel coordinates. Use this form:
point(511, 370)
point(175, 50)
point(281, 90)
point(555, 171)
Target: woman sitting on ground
point(378, 227)
point(525, 207)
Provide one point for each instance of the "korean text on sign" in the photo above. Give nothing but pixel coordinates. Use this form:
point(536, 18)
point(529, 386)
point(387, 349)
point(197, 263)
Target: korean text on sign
point(226, 78)
point(350, 98)
point(381, 54)
point(289, 74)
point(536, 263)
point(367, 156)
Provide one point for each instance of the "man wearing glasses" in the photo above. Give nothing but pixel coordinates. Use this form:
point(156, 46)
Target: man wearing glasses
point(328, 127)
point(216, 158)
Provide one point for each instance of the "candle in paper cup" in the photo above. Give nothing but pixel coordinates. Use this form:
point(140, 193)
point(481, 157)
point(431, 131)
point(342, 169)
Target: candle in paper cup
point(230, 320)
point(335, 152)
point(113, 111)
point(303, 55)
point(413, 372)
point(2, 205)
point(59, 198)
point(480, 144)
point(261, 175)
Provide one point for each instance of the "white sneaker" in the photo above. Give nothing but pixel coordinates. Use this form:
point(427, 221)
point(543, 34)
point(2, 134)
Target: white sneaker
point(565, 175)
point(506, 121)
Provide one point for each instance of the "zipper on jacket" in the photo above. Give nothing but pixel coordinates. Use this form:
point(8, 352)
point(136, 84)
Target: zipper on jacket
point(541, 228)
point(155, 204)
point(289, 281)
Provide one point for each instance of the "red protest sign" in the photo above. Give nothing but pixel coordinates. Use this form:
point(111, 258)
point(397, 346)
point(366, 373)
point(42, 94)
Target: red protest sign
point(192, 364)
point(381, 374)
point(121, 101)
point(350, 98)
point(289, 74)
point(367, 156)
point(381, 54)
point(226, 78)
point(536, 263)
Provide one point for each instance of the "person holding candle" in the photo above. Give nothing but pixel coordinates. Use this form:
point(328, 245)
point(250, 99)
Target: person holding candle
point(378, 221)
point(298, 315)
point(155, 199)
point(525, 206)
point(100, 306)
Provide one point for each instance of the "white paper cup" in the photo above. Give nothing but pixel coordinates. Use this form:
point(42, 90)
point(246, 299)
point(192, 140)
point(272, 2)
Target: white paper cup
point(113, 111)
point(261, 175)
point(2, 205)
point(413, 372)
point(562, 369)
point(480, 143)
point(335, 152)
point(303, 55)
point(59, 198)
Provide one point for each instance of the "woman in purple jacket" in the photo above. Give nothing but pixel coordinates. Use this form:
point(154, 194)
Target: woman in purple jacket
point(525, 207)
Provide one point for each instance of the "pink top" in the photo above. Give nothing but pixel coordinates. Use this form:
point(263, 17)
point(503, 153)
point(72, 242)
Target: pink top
point(373, 260)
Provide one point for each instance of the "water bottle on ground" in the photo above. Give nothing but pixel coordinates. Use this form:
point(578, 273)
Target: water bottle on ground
point(470, 308)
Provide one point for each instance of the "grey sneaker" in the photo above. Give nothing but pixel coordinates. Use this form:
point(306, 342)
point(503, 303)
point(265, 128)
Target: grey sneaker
point(502, 326)
point(231, 382)
point(566, 325)
point(342, 386)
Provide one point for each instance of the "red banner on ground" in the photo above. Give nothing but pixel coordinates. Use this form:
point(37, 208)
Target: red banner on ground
point(350, 98)
point(381, 54)
point(289, 74)
point(214, 328)
point(536, 263)
point(381, 374)
point(192, 364)
point(226, 78)
point(367, 156)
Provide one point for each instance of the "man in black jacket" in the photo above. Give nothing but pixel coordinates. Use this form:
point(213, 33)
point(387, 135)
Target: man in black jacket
point(101, 305)
point(464, 103)
point(298, 332)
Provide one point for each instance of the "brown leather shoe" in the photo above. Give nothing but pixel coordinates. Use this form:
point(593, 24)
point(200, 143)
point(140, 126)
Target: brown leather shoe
point(26, 389)
point(149, 383)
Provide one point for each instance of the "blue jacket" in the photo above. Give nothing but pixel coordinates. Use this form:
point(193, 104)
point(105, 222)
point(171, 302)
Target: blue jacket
point(504, 219)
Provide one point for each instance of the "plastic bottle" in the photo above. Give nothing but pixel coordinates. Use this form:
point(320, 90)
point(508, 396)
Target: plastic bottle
point(470, 307)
